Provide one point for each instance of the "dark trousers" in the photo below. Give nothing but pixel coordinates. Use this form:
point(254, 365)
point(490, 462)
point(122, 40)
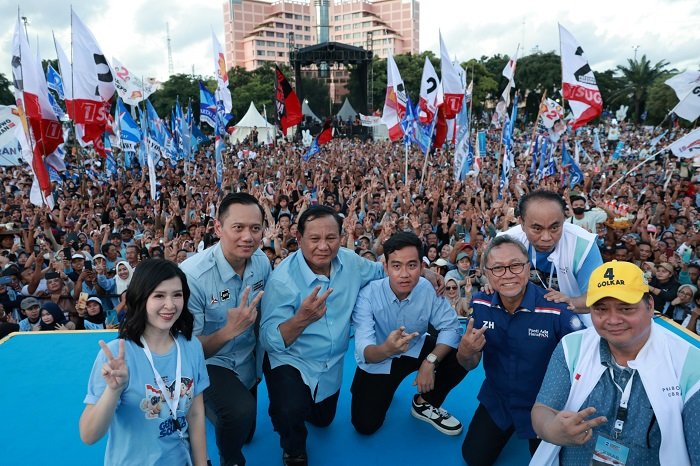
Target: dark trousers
point(232, 408)
point(292, 405)
point(372, 393)
point(485, 440)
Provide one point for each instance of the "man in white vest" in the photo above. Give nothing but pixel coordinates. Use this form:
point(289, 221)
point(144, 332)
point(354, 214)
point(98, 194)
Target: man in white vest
point(623, 392)
point(562, 255)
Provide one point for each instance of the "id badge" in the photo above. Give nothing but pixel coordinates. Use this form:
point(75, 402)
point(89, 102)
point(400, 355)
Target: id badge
point(608, 451)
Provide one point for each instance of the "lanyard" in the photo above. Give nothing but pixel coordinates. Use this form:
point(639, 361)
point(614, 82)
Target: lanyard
point(537, 272)
point(621, 415)
point(175, 400)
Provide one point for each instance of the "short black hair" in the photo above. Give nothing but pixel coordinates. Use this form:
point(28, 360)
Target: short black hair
point(238, 198)
point(147, 276)
point(400, 240)
point(576, 197)
point(316, 212)
point(540, 195)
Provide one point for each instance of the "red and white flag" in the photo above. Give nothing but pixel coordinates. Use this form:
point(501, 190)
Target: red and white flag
point(452, 84)
point(93, 86)
point(44, 131)
point(688, 146)
point(395, 101)
point(431, 94)
point(578, 82)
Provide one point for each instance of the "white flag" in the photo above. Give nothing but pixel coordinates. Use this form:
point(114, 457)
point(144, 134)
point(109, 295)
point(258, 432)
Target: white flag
point(688, 146)
point(578, 82)
point(451, 83)
point(395, 101)
point(682, 83)
point(689, 107)
point(222, 93)
point(131, 88)
point(430, 93)
point(90, 68)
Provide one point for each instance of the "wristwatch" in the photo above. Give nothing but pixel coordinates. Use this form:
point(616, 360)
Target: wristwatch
point(432, 359)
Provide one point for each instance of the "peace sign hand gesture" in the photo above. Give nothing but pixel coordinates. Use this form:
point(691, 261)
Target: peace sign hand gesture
point(114, 371)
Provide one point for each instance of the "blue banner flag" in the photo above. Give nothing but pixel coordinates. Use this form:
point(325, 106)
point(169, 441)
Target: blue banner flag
point(54, 81)
point(129, 132)
point(408, 123)
point(575, 173)
point(463, 161)
point(314, 149)
point(596, 142)
point(618, 150)
point(207, 106)
point(56, 108)
point(481, 138)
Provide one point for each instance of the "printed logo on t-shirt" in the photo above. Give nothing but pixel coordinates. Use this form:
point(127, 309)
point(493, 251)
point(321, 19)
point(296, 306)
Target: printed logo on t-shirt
point(154, 405)
point(226, 294)
point(536, 332)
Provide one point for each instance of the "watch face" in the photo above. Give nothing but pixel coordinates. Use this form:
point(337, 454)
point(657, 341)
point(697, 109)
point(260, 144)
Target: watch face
point(431, 358)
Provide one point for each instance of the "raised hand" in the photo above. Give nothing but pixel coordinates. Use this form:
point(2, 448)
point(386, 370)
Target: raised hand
point(572, 428)
point(313, 307)
point(472, 341)
point(243, 316)
point(114, 371)
point(397, 341)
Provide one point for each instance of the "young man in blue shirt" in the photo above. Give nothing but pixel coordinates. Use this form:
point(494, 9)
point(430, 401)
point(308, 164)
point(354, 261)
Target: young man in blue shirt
point(391, 319)
point(516, 330)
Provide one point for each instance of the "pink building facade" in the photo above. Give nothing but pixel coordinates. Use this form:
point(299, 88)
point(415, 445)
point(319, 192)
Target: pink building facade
point(258, 32)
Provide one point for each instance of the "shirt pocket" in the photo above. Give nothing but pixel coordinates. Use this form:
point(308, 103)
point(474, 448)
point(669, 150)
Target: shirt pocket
point(213, 321)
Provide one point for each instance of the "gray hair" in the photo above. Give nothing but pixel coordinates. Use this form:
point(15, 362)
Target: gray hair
point(500, 241)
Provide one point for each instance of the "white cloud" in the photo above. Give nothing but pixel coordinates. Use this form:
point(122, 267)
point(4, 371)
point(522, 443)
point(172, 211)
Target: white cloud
point(134, 30)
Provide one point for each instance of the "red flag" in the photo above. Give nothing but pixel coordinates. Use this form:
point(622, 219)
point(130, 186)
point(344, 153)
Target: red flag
point(326, 134)
point(440, 128)
point(288, 106)
point(32, 99)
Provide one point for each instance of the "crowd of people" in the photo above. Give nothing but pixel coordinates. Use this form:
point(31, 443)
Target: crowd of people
point(287, 258)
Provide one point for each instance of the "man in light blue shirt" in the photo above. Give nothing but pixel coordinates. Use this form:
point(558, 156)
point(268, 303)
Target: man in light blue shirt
point(305, 328)
point(226, 283)
point(391, 319)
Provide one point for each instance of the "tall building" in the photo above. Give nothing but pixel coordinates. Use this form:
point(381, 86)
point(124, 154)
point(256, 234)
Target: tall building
point(260, 31)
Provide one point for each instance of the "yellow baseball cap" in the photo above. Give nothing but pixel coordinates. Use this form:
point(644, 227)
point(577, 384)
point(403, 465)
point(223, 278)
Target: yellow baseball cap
point(621, 280)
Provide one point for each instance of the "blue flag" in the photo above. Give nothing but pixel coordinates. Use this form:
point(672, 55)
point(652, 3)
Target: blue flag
point(575, 173)
point(314, 149)
point(657, 139)
point(129, 132)
point(464, 152)
point(207, 106)
point(54, 81)
point(618, 150)
point(533, 157)
point(408, 123)
point(56, 108)
point(596, 142)
point(198, 137)
point(481, 138)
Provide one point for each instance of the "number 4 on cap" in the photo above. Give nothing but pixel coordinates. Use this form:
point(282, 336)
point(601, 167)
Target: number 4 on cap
point(609, 274)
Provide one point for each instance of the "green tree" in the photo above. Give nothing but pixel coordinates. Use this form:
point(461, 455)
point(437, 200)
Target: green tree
point(637, 77)
point(6, 96)
point(179, 86)
point(485, 85)
point(610, 89)
point(535, 74)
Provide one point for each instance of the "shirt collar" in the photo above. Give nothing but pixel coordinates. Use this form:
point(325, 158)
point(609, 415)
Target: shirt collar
point(526, 305)
point(308, 275)
point(226, 272)
point(386, 286)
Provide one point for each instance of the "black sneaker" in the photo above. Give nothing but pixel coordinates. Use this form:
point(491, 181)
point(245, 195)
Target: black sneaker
point(295, 460)
point(437, 417)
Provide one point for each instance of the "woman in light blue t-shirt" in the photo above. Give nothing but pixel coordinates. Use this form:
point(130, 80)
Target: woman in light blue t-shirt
point(145, 388)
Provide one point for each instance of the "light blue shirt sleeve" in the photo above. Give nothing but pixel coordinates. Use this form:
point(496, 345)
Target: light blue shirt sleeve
point(592, 261)
point(363, 322)
point(444, 320)
point(107, 284)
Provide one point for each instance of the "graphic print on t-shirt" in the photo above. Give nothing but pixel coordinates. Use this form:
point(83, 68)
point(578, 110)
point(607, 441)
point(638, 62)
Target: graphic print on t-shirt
point(154, 405)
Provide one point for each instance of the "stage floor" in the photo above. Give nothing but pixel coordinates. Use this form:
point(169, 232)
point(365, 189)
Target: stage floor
point(45, 380)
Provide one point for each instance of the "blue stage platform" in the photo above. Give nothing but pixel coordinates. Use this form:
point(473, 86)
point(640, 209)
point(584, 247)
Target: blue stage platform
point(45, 379)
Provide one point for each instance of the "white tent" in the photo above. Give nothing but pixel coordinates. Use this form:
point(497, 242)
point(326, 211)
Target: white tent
point(307, 112)
point(251, 119)
point(346, 111)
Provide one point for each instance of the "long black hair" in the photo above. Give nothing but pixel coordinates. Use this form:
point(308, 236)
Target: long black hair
point(147, 276)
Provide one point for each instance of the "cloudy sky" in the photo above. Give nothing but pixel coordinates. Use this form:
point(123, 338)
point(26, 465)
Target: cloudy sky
point(609, 31)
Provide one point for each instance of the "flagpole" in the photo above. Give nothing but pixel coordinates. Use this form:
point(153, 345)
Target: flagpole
point(405, 165)
point(76, 144)
point(561, 59)
point(637, 166)
point(534, 130)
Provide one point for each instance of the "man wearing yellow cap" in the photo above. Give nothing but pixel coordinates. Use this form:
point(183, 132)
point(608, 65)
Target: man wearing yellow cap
point(624, 391)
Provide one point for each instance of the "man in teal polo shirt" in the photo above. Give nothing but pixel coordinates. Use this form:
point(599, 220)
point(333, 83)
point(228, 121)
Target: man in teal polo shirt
point(226, 283)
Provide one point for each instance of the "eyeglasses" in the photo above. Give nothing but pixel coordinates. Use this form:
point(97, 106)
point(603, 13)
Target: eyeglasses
point(500, 270)
point(450, 287)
